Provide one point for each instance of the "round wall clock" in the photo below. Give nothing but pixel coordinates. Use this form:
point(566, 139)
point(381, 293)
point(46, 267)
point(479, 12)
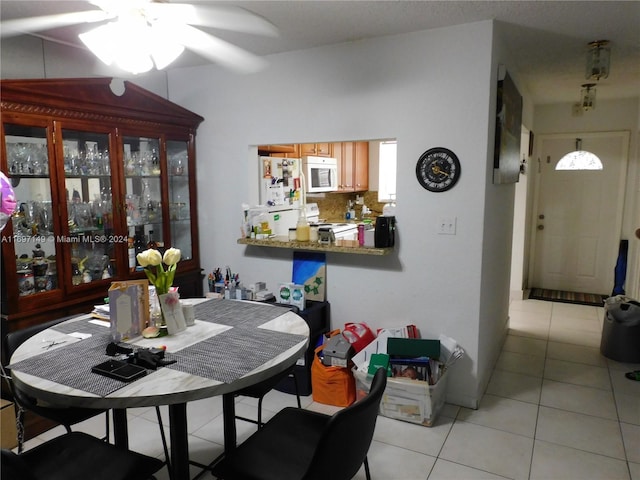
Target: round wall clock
point(438, 169)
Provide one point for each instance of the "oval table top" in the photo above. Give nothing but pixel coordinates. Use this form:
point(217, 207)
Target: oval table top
point(166, 385)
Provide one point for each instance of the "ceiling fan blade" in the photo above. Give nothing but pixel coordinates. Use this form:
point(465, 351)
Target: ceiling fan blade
point(218, 51)
point(20, 26)
point(222, 17)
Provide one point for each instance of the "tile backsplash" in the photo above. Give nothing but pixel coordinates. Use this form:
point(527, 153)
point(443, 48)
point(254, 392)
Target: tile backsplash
point(333, 206)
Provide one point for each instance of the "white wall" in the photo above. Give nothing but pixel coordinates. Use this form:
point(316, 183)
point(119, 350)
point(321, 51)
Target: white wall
point(426, 89)
point(30, 57)
point(431, 88)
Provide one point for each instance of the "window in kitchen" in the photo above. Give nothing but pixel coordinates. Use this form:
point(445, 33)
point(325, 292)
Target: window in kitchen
point(387, 171)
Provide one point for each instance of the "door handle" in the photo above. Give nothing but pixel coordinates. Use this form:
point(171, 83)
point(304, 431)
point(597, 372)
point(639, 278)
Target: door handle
point(540, 227)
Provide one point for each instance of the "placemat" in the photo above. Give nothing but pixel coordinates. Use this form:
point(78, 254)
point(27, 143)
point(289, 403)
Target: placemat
point(236, 313)
point(225, 357)
point(77, 358)
point(80, 325)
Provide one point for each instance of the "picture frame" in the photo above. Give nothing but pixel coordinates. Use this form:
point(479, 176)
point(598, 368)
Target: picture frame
point(506, 154)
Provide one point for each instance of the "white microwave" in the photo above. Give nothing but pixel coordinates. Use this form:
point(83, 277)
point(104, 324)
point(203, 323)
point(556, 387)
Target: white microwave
point(321, 174)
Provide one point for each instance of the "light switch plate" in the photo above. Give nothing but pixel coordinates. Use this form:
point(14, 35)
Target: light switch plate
point(446, 226)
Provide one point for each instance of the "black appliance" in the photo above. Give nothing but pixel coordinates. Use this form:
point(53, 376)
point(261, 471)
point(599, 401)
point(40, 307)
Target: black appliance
point(385, 232)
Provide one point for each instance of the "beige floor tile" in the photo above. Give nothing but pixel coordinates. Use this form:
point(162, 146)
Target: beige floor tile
point(538, 306)
point(552, 461)
point(628, 408)
point(577, 374)
point(622, 384)
point(521, 363)
point(516, 386)
point(426, 440)
point(524, 345)
point(631, 438)
point(583, 432)
point(490, 450)
point(570, 310)
point(444, 470)
point(388, 461)
point(634, 468)
point(575, 337)
point(503, 414)
point(576, 353)
point(579, 399)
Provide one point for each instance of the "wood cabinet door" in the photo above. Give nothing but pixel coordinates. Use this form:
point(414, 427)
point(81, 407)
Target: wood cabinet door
point(361, 166)
point(307, 149)
point(346, 175)
point(324, 149)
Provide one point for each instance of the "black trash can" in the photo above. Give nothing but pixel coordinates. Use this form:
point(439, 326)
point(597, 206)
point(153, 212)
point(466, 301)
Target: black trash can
point(621, 331)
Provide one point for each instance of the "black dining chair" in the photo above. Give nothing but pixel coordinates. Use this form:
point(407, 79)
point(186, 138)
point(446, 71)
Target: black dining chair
point(77, 456)
point(66, 417)
point(259, 391)
point(301, 444)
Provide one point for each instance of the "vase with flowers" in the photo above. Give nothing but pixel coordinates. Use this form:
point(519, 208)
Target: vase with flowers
point(160, 270)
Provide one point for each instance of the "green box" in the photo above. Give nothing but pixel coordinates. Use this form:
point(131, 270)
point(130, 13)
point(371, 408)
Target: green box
point(413, 347)
point(379, 360)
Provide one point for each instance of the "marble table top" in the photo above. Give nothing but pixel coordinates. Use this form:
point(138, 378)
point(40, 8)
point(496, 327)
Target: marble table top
point(166, 385)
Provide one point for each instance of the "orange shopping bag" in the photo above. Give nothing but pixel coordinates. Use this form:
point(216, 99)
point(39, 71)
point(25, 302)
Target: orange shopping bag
point(331, 385)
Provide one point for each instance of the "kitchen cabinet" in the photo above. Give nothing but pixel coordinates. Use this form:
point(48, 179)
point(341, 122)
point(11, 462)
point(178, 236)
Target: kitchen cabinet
point(353, 166)
point(286, 150)
point(316, 149)
point(98, 178)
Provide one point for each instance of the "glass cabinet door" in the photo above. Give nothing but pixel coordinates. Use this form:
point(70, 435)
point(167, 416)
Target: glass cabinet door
point(179, 197)
point(143, 194)
point(87, 179)
point(34, 241)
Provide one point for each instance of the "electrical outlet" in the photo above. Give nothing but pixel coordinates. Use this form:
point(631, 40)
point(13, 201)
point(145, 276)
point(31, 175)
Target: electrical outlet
point(446, 226)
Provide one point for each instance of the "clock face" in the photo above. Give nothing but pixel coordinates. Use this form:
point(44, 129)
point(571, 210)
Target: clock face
point(438, 169)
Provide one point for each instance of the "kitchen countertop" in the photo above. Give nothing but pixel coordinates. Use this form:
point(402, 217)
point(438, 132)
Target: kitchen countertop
point(340, 246)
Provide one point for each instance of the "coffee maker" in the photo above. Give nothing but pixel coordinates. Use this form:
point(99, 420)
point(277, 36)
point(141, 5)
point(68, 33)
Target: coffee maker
point(385, 232)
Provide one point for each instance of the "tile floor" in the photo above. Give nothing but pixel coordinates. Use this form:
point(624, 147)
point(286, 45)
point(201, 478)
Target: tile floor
point(554, 409)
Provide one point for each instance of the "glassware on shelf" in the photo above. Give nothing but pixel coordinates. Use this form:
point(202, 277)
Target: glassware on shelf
point(133, 209)
point(178, 166)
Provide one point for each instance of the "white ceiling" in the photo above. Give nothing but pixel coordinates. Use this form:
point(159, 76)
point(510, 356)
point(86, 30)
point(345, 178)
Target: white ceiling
point(548, 38)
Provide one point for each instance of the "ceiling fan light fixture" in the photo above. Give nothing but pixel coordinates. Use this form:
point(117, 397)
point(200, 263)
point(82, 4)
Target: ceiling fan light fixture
point(579, 159)
point(100, 42)
point(133, 44)
point(162, 48)
point(598, 60)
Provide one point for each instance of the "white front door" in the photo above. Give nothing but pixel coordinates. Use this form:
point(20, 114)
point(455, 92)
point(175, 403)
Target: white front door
point(579, 214)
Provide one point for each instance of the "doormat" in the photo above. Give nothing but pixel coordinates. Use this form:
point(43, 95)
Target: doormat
point(594, 299)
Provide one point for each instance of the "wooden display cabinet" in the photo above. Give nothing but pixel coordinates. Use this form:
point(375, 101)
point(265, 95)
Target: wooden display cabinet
point(98, 178)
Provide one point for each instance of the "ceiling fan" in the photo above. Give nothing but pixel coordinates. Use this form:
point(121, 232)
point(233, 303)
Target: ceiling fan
point(135, 35)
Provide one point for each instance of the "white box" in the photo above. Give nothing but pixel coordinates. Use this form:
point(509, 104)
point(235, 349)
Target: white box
point(283, 295)
point(297, 298)
point(407, 400)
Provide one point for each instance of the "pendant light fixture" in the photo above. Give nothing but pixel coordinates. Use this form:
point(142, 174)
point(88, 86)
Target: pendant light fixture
point(598, 56)
point(588, 96)
point(579, 159)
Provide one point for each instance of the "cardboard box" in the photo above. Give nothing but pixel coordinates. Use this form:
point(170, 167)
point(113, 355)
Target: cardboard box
point(407, 400)
point(337, 352)
point(404, 399)
point(8, 431)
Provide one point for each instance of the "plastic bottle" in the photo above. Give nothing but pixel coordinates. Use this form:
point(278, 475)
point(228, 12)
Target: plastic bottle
point(303, 231)
point(132, 254)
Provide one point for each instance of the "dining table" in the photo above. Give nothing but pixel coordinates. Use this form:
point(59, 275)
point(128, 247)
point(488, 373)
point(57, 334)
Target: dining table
point(232, 344)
